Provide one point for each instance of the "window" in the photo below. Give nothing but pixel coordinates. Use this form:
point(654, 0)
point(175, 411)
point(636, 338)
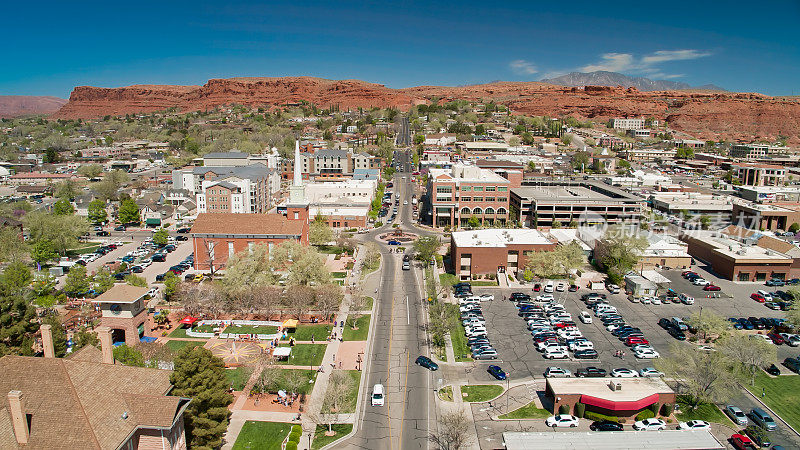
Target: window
point(250, 246)
point(501, 211)
point(465, 199)
point(502, 199)
point(231, 251)
point(489, 199)
point(502, 188)
point(477, 199)
point(444, 189)
point(490, 188)
point(489, 211)
point(478, 188)
point(464, 211)
point(296, 215)
point(466, 188)
point(477, 211)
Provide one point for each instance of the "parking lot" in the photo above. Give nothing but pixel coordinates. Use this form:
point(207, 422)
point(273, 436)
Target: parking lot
point(516, 350)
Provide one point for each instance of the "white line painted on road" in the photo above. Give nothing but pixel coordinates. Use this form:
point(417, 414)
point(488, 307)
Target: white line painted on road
point(408, 313)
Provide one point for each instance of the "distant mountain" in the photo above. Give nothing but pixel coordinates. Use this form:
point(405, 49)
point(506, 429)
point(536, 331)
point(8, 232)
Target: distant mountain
point(603, 78)
point(20, 105)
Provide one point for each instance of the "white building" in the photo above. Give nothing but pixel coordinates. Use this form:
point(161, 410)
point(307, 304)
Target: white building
point(627, 124)
point(755, 151)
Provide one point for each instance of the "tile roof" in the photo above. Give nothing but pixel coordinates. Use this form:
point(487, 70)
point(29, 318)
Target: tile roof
point(75, 403)
point(246, 224)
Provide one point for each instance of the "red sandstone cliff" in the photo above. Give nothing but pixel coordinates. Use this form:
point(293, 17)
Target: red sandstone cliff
point(706, 115)
point(20, 105)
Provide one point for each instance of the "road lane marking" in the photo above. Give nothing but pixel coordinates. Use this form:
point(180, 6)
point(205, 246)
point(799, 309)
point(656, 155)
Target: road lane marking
point(389, 371)
point(408, 312)
point(405, 391)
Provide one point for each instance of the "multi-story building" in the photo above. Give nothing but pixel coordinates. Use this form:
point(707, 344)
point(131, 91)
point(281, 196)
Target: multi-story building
point(627, 124)
point(234, 189)
point(759, 174)
point(481, 252)
point(689, 143)
point(646, 154)
point(694, 204)
point(759, 216)
point(544, 202)
point(326, 163)
point(465, 191)
point(755, 151)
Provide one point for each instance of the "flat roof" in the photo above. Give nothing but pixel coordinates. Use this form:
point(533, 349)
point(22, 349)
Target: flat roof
point(499, 238)
point(122, 293)
point(612, 440)
point(735, 249)
point(632, 388)
point(574, 193)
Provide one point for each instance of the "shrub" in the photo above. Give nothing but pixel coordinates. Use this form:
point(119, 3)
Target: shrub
point(590, 415)
point(447, 229)
point(563, 409)
point(667, 408)
point(294, 436)
point(646, 414)
point(580, 409)
point(291, 445)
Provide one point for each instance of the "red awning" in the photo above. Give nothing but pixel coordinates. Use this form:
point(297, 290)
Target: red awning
point(189, 320)
point(619, 406)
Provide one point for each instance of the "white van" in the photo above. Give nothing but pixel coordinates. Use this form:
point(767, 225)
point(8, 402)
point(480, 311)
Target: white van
point(549, 286)
point(767, 296)
point(377, 395)
point(585, 317)
point(686, 300)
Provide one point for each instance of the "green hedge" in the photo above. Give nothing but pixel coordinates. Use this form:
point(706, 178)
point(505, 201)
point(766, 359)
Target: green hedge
point(589, 415)
point(563, 409)
point(291, 445)
point(294, 436)
point(667, 409)
point(297, 428)
point(580, 409)
point(646, 414)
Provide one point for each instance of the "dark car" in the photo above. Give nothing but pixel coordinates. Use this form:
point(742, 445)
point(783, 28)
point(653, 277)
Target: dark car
point(497, 372)
point(759, 435)
point(102, 233)
point(792, 364)
point(181, 238)
point(183, 230)
point(121, 275)
point(161, 276)
point(426, 362)
point(585, 354)
point(773, 370)
point(573, 288)
point(677, 334)
point(757, 323)
point(159, 257)
point(793, 281)
point(664, 323)
point(605, 425)
point(746, 323)
point(120, 228)
point(735, 323)
point(137, 269)
point(394, 242)
point(590, 372)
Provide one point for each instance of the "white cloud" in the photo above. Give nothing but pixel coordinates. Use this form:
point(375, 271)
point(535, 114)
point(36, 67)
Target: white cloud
point(646, 65)
point(522, 67)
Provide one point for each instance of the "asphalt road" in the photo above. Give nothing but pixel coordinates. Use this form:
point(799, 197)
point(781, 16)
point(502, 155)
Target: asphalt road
point(398, 339)
point(404, 135)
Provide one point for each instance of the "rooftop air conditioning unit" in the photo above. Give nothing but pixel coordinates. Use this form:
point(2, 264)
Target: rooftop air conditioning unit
point(615, 385)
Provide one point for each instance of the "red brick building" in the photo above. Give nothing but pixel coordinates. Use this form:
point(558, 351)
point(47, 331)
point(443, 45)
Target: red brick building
point(124, 311)
point(217, 237)
point(482, 252)
point(619, 397)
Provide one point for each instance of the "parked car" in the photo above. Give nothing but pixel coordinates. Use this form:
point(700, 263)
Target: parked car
point(120, 228)
point(585, 317)
point(650, 372)
point(562, 420)
point(694, 425)
point(711, 287)
point(605, 425)
point(758, 297)
point(651, 424)
point(742, 442)
point(557, 372)
point(760, 417)
point(586, 354)
point(624, 373)
point(736, 415)
point(792, 364)
point(590, 372)
point(426, 362)
point(775, 282)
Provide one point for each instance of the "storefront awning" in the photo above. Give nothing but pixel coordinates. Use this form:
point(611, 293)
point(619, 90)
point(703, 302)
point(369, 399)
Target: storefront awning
point(290, 323)
point(153, 221)
point(282, 352)
point(619, 406)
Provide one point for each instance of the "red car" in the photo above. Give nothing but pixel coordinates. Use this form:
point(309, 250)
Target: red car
point(758, 297)
point(711, 287)
point(742, 442)
point(635, 340)
point(686, 273)
point(776, 338)
point(537, 287)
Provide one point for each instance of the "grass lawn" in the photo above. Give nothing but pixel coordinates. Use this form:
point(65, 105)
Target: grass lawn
point(446, 393)
point(529, 411)
point(368, 302)
point(321, 440)
point(304, 332)
point(483, 283)
point(360, 334)
point(447, 279)
point(305, 354)
point(480, 392)
point(339, 274)
point(705, 411)
point(181, 332)
point(350, 403)
point(782, 395)
point(460, 348)
point(250, 329)
point(238, 377)
point(331, 249)
point(178, 345)
point(81, 249)
point(262, 435)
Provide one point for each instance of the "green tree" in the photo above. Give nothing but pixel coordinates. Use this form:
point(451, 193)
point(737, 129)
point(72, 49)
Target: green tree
point(129, 211)
point(135, 280)
point(128, 356)
point(531, 166)
point(705, 377)
point(200, 375)
point(97, 211)
point(426, 247)
point(750, 354)
point(12, 246)
point(62, 231)
point(473, 221)
point(171, 282)
point(76, 281)
point(419, 139)
point(319, 233)
point(624, 164)
point(304, 263)
point(161, 237)
point(580, 160)
point(618, 252)
point(559, 262)
point(85, 337)
point(684, 153)
point(705, 222)
point(90, 170)
point(247, 270)
point(17, 315)
point(794, 227)
point(708, 323)
point(59, 334)
point(63, 208)
point(103, 280)
point(43, 251)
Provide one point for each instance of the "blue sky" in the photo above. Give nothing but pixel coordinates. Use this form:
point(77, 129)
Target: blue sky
point(53, 46)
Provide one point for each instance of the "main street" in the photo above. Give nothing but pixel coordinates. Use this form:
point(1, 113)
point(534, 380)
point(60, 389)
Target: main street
point(399, 337)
